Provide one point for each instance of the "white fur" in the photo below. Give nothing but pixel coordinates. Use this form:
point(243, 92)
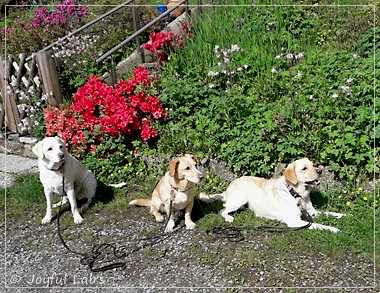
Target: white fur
point(54, 162)
point(271, 199)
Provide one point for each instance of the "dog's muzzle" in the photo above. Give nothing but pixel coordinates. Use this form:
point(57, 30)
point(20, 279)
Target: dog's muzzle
point(315, 182)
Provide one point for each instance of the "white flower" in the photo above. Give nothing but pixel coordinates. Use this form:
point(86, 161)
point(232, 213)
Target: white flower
point(311, 97)
point(347, 90)
point(290, 56)
point(299, 74)
point(212, 73)
point(234, 48)
point(335, 95)
point(349, 80)
point(300, 55)
point(273, 70)
point(211, 86)
point(277, 57)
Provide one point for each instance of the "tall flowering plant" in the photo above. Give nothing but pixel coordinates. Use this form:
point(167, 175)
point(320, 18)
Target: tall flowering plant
point(43, 28)
point(100, 112)
point(161, 43)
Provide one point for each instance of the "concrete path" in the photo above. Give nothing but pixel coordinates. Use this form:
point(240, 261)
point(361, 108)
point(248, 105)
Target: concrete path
point(12, 165)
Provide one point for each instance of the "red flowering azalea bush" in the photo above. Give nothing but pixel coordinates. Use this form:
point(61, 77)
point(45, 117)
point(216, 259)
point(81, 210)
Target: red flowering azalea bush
point(161, 43)
point(101, 112)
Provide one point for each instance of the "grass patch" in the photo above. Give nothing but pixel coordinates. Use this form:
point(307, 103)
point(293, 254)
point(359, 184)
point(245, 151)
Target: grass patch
point(356, 236)
point(26, 193)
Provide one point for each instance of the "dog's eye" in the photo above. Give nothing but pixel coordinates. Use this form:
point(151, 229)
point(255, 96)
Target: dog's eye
point(61, 147)
point(187, 168)
point(304, 168)
point(50, 149)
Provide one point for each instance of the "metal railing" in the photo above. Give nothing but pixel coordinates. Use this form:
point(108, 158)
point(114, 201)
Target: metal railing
point(83, 27)
point(140, 31)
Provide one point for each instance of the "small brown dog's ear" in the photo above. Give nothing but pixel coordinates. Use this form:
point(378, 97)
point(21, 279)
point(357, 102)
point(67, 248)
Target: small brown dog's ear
point(173, 167)
point(290, 174)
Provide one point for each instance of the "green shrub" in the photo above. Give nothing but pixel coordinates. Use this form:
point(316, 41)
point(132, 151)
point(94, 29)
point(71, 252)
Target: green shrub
point(297, 98)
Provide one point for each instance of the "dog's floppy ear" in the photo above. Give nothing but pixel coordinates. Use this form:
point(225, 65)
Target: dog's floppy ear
point(60, 139)
point(290, 174)
point(38, 150)
point(173, 167)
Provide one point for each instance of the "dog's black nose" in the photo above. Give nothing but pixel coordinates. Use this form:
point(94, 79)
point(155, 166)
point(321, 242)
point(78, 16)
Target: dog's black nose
point(61, 155)
point(319, 172)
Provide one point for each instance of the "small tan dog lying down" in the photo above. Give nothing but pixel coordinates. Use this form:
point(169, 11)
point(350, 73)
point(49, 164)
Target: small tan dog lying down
point(177, 186)
point(277, 199)
point(54, 162)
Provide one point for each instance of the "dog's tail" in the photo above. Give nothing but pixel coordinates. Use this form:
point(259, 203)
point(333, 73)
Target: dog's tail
point(203, 196)
point(141, 202)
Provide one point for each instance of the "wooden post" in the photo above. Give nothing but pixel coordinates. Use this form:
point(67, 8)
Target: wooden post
point(9, 98)
point(49, 78)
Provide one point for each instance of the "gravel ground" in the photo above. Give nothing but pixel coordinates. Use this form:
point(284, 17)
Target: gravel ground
point(187, 261)
point(10, 165)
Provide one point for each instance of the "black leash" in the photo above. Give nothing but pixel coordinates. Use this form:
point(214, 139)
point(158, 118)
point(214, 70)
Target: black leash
point(100, 254)
point(234, 234)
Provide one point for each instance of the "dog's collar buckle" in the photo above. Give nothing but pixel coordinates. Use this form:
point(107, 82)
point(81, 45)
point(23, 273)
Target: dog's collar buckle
point(294, 193)
point(172, 193)
point(297, 196)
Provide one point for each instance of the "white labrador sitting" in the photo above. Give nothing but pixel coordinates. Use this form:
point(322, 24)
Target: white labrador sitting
point(54, 162)
point(277, 199)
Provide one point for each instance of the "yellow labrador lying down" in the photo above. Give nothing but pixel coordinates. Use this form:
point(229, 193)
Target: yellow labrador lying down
point(278, 199)
point(177, 186)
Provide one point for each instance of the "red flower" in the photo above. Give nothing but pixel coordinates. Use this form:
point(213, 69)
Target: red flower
point(100, 110)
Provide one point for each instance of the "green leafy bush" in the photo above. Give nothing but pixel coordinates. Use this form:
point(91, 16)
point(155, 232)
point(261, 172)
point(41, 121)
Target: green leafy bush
point(296, 98)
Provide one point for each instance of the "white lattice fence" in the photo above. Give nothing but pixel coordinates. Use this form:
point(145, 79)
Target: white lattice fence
point(25, 88)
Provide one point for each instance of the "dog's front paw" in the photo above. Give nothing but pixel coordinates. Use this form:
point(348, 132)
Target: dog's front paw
point(159, 218)
point(77, 218)
point(229, 218)
point(46, 220)
point(190, 225)
point(170, 226)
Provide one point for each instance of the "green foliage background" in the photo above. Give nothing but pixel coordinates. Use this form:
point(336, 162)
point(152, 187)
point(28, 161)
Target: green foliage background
point(261, 118)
